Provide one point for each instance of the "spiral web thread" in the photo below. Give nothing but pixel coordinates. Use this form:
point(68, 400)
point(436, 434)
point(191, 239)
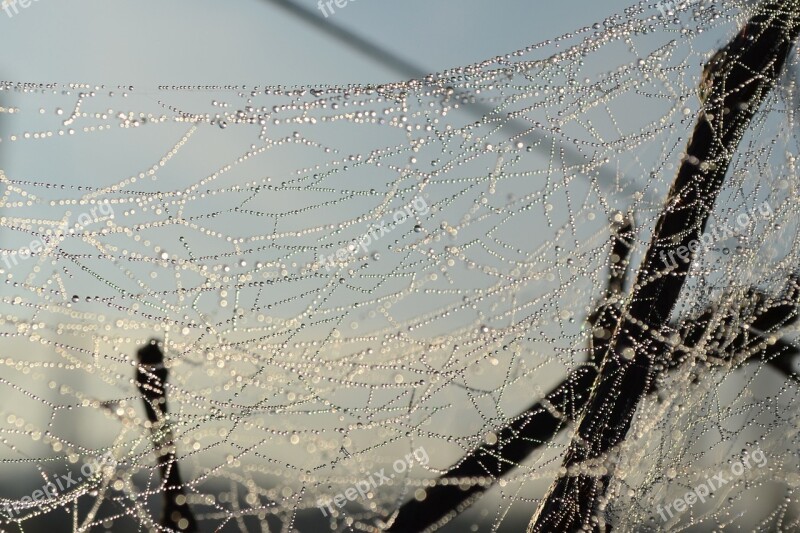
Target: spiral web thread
point(207, 217)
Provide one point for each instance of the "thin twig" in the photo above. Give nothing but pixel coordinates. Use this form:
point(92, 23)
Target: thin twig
point(151, 379)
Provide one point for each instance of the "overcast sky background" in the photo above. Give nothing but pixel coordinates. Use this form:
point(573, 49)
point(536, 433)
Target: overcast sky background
point(256, 41)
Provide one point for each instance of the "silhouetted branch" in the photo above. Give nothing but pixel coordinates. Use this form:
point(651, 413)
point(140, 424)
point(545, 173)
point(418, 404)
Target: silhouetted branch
point(150, 379)
point(458, 489)
point(536, 426)
point(737, 79)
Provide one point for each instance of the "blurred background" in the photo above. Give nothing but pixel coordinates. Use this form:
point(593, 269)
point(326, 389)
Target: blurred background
point(146, 44)
point(272, 41)
point(253, 42)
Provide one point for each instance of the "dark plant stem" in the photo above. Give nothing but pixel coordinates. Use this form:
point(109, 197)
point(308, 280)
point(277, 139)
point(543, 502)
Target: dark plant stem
point(740, 77)
point(534, 427)
point(515, 442)
point(539, 424)
point(542, 421)
point(151, 379)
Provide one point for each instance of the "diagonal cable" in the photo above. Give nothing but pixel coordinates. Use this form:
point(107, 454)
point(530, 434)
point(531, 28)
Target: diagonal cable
point(542, 142)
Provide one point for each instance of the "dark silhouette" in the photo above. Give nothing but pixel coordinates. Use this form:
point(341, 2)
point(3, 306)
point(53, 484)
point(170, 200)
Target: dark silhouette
point(151, 378)
point(543, 420)
point(736, 81)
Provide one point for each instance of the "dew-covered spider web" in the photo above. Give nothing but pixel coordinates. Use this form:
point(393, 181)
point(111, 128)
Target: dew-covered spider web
point(348, 281)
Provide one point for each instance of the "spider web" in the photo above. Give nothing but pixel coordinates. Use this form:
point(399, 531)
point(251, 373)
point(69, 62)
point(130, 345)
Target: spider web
point(343, 276)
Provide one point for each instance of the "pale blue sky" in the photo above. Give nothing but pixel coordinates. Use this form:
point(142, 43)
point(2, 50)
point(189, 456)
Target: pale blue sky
point(254, 41)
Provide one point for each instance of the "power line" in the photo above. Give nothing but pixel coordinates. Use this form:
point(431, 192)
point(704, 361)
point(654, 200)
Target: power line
point(541, 141)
